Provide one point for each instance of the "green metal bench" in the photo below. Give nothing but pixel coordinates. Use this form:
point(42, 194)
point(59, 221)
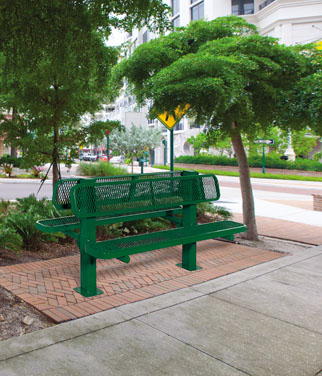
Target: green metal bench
point(96, 203)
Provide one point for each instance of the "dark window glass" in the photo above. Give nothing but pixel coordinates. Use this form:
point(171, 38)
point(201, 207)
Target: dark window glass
point(193, 1)
point(178, 127)
point(197, 12)
point(145, 37)
point(175, 6)
point(240, 7)
point(176, 22)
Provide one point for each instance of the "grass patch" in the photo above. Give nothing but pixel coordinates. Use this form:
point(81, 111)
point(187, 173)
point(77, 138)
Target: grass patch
point(252, 174)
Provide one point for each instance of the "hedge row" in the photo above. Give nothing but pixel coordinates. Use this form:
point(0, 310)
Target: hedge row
point(254, 161)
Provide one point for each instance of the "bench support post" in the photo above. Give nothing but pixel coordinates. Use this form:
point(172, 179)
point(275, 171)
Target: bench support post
point(87, 262)
point(189, 251)
point(88, 276)
point(189, 257)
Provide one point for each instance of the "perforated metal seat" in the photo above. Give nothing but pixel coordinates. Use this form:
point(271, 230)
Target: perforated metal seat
point(60, 224)
point(162, 239)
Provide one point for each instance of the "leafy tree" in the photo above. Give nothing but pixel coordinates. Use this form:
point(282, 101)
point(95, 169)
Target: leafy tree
point(302, 143)
point(205, 141)
point(199, 142)
point(235, 81)
point(135, 141)
point(55, 67)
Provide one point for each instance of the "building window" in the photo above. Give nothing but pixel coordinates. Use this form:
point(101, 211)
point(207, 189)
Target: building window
point(265, 3)
point(175, 6)
point(178, 127)
point(176, 22)
point(197, 11)
point(241, 7)
point(145, 36)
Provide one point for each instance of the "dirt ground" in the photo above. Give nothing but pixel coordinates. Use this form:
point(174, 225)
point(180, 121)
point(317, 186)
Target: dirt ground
point(18, 318)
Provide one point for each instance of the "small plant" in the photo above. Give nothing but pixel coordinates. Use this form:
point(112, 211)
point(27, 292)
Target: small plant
point(4, 206)
point(142, 226)
point(100, 169)
point(7, 169)
point(36, 171)
point(218, 213)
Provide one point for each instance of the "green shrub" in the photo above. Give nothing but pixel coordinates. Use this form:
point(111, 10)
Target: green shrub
point(100, 169)
point(22, 216)
point(9, 239)
point(207, 159)
point(271, 161)
point(14, 161)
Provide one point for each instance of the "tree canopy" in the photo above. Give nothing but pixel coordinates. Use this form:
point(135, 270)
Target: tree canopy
point(234, 80)
point(55, 66)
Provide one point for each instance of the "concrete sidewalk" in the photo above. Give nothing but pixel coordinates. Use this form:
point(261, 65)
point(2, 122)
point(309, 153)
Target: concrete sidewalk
point(264, 320)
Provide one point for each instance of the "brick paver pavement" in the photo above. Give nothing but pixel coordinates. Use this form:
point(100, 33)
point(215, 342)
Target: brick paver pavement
point(287, 230)
point(48, 285)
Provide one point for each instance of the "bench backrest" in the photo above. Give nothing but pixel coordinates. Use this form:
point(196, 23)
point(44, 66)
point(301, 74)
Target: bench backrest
point(96, 199)
point(61, 193)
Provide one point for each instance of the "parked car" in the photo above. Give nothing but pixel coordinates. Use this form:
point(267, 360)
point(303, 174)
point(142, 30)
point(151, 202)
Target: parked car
point(103, 158)
point(89, 157)
point(118, 159)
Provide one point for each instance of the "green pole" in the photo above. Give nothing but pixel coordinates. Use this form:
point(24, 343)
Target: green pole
point(263, 159)
point(171, 149)
point(108, 148)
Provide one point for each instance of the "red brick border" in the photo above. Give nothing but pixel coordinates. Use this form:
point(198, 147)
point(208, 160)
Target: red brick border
point(48, 285)
point(287, 230)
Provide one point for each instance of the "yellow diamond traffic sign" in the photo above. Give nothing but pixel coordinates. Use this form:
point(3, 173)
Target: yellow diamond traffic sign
point(318, 45)
point(170, 120)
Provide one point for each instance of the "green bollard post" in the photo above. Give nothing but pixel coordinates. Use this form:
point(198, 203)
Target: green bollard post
point(263, 160)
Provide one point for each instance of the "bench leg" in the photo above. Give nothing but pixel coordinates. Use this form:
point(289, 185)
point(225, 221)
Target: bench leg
point(189, 257)
point(88, 276)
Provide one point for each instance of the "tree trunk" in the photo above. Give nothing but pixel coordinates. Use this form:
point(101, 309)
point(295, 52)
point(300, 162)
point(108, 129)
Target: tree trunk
point(55, 157)
point(245, 185)
point(13, 150)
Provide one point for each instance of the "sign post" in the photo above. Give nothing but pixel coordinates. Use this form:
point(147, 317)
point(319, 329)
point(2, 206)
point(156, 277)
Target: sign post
point(169, 121)
point(108, 145)
point(264, 142)
point(81, 151)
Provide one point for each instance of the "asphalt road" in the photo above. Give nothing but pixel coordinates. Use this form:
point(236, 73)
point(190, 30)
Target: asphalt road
point(12, 189)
